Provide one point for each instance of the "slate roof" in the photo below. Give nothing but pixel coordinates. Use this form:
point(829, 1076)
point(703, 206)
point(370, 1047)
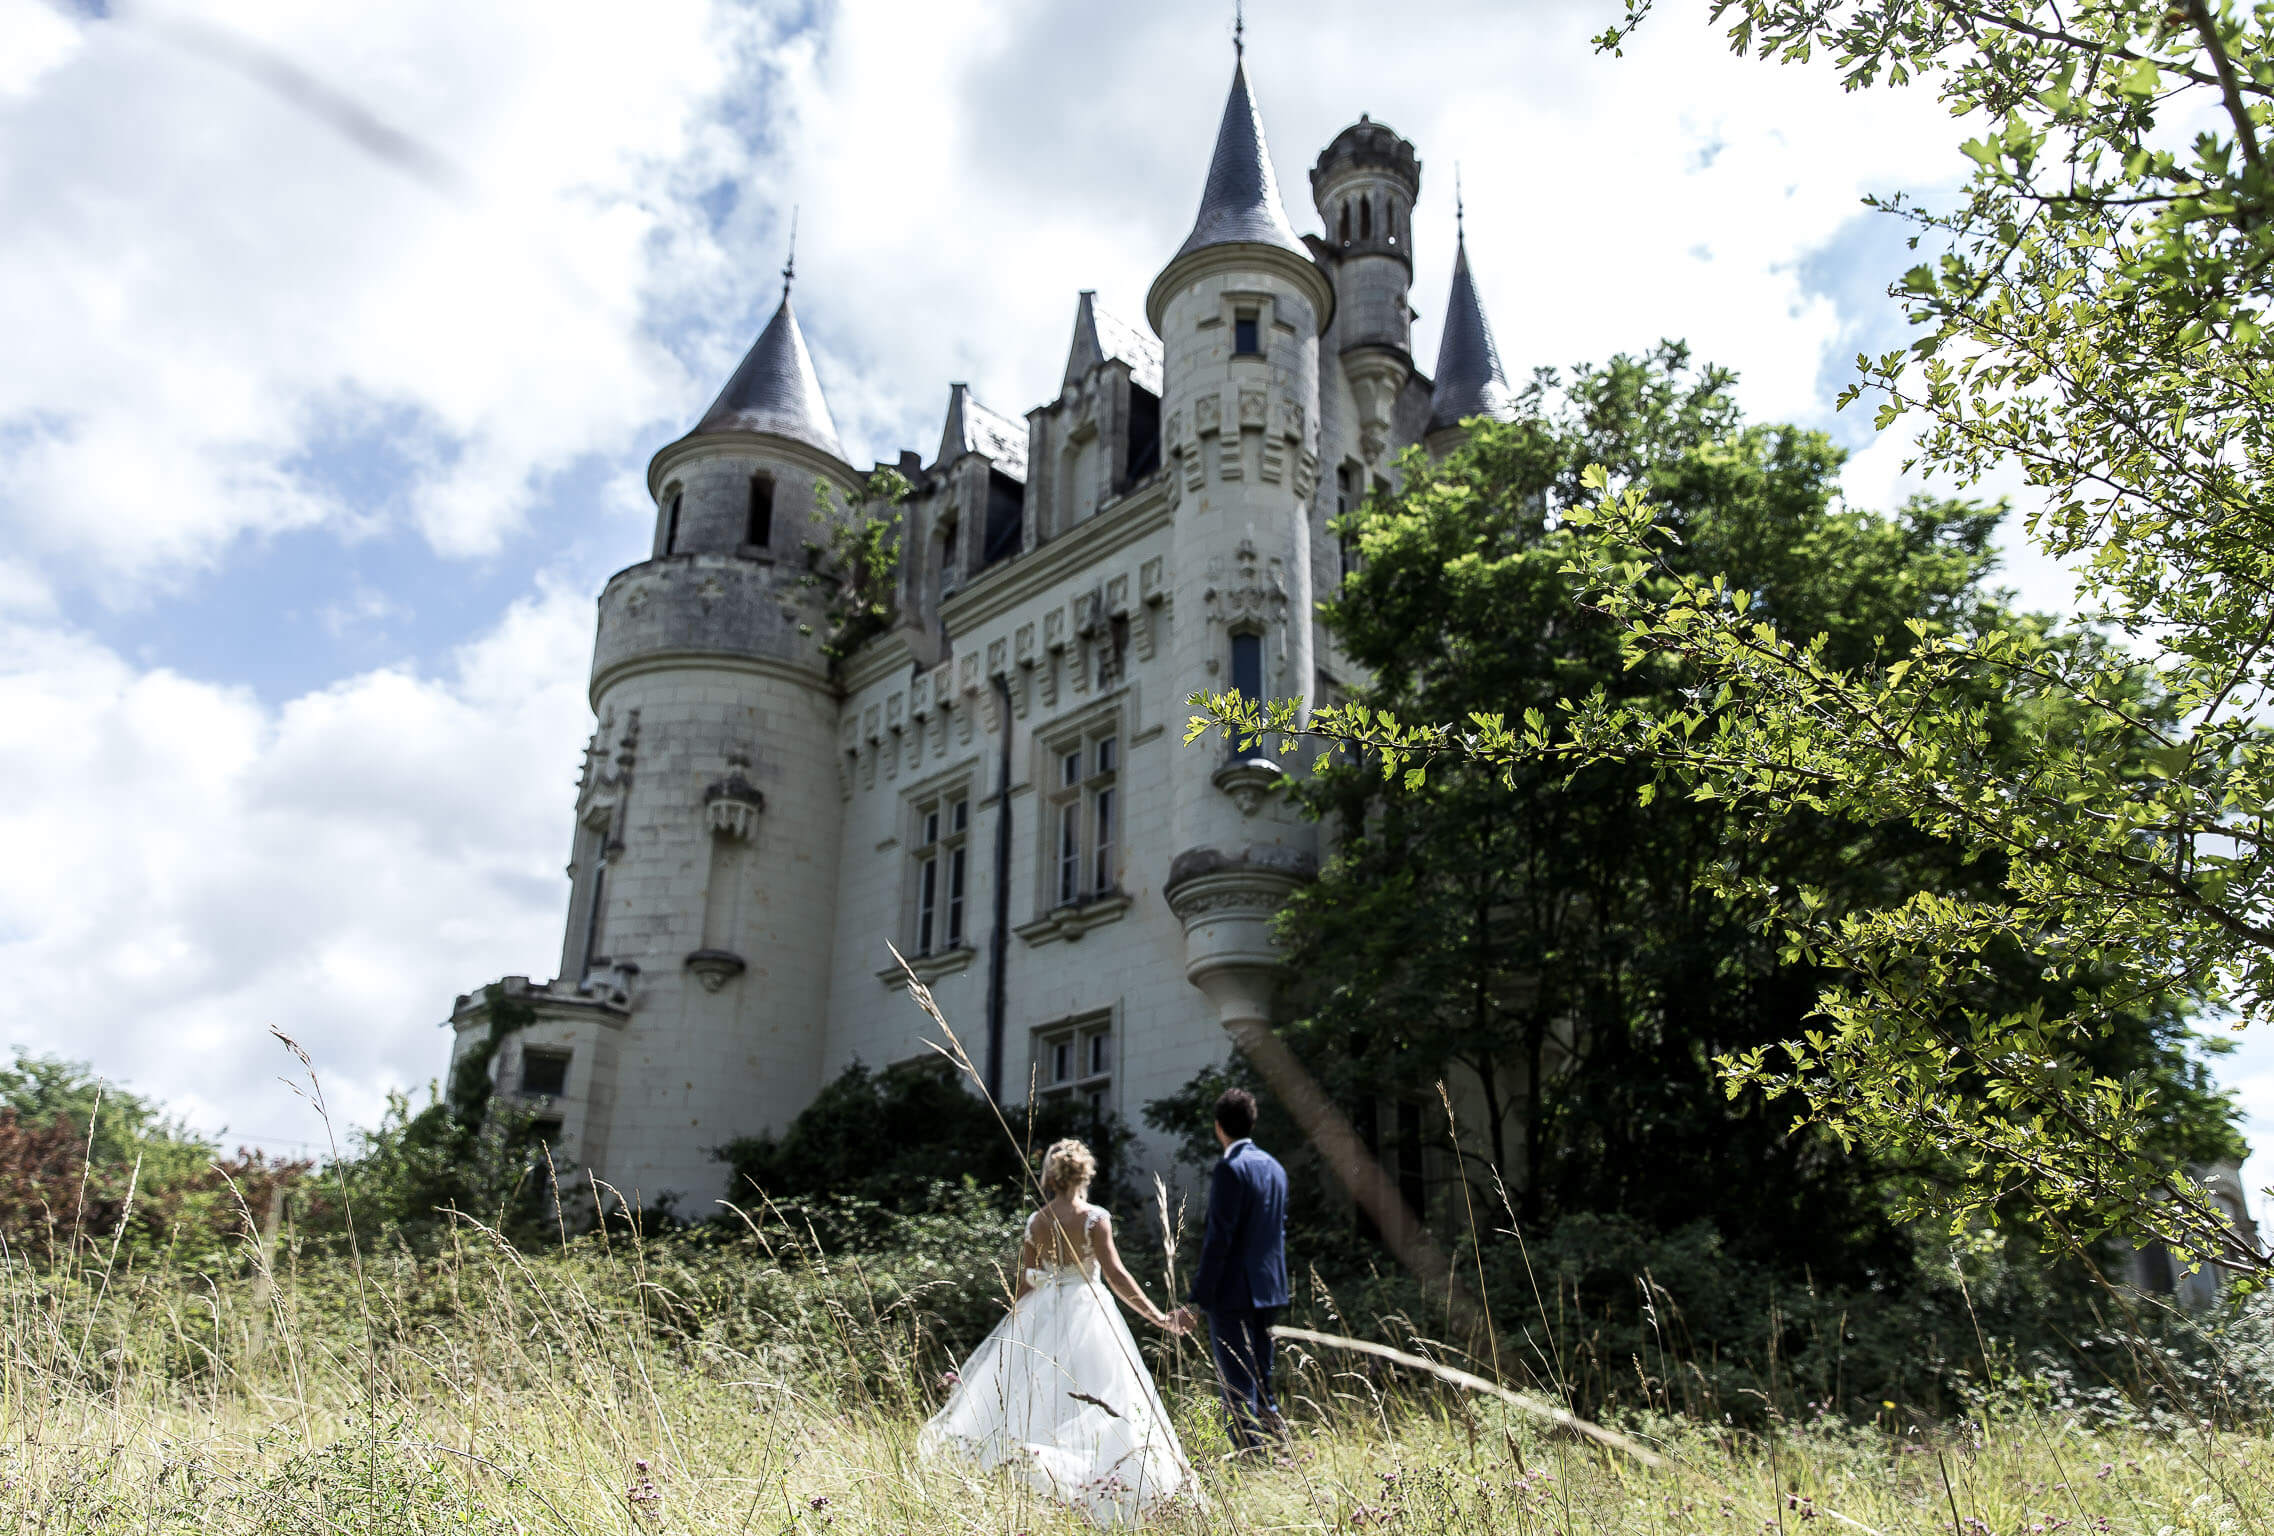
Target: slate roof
point(1099, 335)
point(1240, 205)
point(775, 390)
point(1469, 380)
point(973, 428)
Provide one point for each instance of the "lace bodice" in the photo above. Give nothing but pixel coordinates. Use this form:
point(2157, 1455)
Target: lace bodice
point(1053, 1262)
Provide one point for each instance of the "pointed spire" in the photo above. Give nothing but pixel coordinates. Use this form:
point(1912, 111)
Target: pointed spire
point(955, 435)
point(776, 391)
point(972, 428)
point(789, 262)
point(1469, 381)
point(1240, 204)
point(1087, 351)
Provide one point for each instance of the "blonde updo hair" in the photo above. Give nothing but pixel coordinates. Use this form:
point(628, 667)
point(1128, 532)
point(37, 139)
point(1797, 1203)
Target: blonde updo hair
point(1067, 1166)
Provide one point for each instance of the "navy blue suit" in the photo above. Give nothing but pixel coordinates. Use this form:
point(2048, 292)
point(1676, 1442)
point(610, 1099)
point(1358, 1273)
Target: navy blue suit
point(1241, 1282)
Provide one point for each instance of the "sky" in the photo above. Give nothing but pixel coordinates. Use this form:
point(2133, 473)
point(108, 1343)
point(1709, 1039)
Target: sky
point(337, 339)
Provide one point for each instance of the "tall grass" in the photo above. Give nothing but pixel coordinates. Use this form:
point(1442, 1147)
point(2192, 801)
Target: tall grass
point(758, 1381)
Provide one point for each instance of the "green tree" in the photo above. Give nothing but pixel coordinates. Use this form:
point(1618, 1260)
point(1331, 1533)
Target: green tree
point(1568, 949)
point(2093, 310)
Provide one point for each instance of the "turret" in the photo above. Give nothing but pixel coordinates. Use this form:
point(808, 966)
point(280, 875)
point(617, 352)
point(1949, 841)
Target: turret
point(1469, 381)
point(1240, 309)
point(1365, 184)
point(705, 856)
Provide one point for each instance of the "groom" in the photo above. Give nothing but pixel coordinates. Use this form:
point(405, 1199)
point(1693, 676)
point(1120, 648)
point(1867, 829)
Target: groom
point(1242, 1279)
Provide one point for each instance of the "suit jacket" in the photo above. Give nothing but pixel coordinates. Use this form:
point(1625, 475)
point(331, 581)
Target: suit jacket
point(1243, 1256)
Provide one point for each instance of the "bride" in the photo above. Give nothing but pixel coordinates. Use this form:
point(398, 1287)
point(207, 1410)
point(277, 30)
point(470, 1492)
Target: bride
point(1058, 1392)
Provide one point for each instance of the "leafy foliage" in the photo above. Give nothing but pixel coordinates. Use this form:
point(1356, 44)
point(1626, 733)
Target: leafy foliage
point(2093, 311)
point(85, 1162)
point(855, 568)
point(895, 1139)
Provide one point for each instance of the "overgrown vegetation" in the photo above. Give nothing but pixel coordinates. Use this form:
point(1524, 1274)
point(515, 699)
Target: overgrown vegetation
point(2092, 310)
point(772, 1378)
point(854, 568)
point(898, 1139)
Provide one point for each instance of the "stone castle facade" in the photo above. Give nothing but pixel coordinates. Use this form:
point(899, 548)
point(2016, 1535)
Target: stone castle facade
point(998, 785)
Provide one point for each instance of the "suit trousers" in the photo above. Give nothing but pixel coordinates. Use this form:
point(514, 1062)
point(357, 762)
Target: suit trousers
point(1242, 1339)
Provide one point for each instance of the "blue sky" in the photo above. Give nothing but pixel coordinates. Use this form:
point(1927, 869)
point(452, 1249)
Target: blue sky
point(341, 335)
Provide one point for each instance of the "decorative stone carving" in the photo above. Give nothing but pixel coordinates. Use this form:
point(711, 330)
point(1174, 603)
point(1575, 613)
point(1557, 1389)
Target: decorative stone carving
point(1249, 781)
point(1251, 405)
point(731, 806)
point(714, 968)
point(1151, 594)
point(1207, 415)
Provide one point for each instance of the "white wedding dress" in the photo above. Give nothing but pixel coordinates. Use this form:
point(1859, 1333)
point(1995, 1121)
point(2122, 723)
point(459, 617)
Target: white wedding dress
point(1059, 1395)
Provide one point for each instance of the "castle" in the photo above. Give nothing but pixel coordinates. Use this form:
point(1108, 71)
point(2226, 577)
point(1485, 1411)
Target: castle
point(998, 783)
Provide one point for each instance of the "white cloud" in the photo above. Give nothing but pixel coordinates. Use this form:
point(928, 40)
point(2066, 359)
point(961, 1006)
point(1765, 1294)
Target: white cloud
point(206, 262)
point(189, 867)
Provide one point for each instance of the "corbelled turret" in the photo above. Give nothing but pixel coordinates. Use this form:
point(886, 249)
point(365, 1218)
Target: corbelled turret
point(1240, 309)
point(1365, 184)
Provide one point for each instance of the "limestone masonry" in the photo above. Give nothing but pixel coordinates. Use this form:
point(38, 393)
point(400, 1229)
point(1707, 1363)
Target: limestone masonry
point(999, 784)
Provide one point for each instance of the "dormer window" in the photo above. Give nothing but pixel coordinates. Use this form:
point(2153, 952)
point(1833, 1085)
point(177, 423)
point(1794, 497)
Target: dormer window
point(761, 529)
point(1246, 334)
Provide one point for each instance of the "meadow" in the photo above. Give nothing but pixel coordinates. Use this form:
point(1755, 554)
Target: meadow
point(752, 1380)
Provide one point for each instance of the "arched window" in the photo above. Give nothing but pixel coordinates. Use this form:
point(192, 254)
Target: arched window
point(1346, 221)
point(1365, 218)
point(671, 522)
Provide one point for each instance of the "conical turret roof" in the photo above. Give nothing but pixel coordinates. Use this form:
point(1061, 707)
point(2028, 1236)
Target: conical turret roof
point(1240, 205)
point(1469, 381)
point(776, 391)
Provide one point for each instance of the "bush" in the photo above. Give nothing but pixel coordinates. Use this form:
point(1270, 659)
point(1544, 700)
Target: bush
point(892, 1139)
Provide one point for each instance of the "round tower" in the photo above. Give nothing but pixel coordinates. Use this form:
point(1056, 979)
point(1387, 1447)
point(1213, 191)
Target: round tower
point(1240, 309)
point(706, 861)
point(1365, 184)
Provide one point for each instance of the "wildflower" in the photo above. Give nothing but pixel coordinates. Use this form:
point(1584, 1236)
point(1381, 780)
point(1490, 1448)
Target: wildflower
point(2106, 1467)
point(949, 1379)
point(818, 1502)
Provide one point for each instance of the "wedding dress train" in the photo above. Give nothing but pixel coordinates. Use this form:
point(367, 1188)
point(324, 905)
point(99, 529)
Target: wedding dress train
point(1059, 1395)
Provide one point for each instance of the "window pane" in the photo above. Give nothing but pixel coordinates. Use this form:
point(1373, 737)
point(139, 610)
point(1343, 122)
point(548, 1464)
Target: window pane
point(1071, 768)
point(927, 890)
point(544, 1073)
point(1247, 666)
point(1106, 755)
point(1244, 335)
point(1070, 850)
point(955, 897)
point(931, 828)
point(962, 815)
point(1061, 1061)
point(1097, 1053)
point(1104, 879)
